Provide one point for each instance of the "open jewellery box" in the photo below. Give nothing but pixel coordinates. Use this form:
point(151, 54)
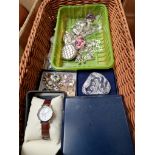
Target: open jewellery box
point(73, 74)
point(42, 95)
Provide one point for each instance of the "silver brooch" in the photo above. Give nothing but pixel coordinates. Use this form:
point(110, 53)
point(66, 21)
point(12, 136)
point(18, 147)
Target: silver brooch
point(77, 29)
point(55, 77)
point(96, 83)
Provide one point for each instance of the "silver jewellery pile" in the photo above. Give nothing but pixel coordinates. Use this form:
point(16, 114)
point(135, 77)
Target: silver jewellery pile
point(59, 81)
point(76, 45)
point(96, 83)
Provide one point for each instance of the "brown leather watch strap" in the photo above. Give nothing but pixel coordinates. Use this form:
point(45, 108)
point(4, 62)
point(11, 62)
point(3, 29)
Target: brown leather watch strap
point(47, 102)
point(45, 130)
point(45, 125)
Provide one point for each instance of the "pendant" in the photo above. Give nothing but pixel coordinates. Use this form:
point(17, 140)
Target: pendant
point(69, 52)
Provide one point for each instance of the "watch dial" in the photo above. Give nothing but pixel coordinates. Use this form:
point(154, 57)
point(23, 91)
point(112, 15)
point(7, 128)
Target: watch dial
point(45, 113)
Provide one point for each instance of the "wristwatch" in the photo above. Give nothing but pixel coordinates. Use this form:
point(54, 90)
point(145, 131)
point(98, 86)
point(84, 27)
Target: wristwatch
point(45, 114)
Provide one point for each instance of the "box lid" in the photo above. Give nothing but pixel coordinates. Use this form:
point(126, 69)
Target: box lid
point(96, 125)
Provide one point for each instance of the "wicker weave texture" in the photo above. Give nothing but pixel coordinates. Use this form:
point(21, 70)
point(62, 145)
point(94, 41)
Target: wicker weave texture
point(26, 28)
point(38, 46)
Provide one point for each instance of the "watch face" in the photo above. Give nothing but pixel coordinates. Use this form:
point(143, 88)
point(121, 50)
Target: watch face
point(45, 113)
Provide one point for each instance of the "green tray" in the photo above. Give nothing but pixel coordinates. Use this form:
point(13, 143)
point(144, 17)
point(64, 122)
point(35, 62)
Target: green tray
point(66, 18)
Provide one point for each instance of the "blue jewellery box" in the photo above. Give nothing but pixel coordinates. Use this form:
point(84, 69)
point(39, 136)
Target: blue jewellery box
point(96, 126)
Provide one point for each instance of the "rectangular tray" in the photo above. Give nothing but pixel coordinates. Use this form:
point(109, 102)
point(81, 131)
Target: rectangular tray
point(66, 18)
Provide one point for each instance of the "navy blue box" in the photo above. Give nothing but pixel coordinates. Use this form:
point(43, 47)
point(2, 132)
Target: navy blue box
point(96, 126)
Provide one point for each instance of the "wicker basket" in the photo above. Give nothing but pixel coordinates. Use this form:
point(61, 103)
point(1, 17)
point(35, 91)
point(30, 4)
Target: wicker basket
point(38, 46)
point(26, 28)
